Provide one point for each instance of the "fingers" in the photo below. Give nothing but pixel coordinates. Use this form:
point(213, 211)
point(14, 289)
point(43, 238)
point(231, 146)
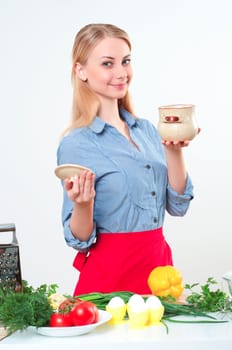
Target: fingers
point(81, 188)
point(68, 184)
point(176, 144)
point(179, 143)
point(88, 189)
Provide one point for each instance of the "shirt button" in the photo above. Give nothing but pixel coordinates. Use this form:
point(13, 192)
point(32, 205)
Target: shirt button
point(153, 193)
point(155, 220)
point(148, 166)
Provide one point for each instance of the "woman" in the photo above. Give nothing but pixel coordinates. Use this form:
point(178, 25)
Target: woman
point(114, 214)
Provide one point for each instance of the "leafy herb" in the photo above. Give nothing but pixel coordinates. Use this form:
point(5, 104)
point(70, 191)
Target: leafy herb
point(206, 299)
point(29, 307)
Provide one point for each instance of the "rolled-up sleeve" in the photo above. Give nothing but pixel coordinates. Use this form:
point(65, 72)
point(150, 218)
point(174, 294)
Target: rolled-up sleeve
point(72, 151)
point(178, 204)
point(75, 243)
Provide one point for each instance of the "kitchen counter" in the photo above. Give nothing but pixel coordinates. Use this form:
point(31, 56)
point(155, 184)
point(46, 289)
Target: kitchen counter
point(200, 336)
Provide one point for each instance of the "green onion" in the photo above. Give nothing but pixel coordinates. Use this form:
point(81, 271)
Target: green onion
point(102, 299)
point(171, 309)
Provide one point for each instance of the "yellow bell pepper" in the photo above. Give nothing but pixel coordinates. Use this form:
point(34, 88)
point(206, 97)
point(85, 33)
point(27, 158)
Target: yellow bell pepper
point(165, 281)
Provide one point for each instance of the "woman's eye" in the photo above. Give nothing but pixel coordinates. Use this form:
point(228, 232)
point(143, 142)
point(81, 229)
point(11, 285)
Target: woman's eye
point(126, 61)
point(107, 64)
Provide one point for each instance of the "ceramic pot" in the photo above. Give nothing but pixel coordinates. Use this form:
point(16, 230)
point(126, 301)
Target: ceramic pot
point(177, 122)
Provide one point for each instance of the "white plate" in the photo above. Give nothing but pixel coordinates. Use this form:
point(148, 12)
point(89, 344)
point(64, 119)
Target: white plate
point(65, 171)
point(104, 317)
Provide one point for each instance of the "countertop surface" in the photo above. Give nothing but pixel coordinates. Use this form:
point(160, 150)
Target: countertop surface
point(200, 336)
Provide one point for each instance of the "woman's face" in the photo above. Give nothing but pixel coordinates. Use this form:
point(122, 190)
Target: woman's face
point(108, 69)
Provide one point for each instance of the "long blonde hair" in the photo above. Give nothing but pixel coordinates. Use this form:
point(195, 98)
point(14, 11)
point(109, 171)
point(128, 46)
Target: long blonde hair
point(85, 102)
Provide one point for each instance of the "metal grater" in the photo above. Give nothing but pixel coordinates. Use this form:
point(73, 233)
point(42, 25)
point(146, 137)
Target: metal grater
point(10, 269)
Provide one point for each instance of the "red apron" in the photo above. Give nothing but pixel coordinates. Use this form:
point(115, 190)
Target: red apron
point(121, 262)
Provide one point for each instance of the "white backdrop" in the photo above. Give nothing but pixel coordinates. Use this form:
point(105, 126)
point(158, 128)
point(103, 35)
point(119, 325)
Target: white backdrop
point(182, 53)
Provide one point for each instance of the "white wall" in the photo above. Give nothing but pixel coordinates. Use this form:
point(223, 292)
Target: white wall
point(182, 54)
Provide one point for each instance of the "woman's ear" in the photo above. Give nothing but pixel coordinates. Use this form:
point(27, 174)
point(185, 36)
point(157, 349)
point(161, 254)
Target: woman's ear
point(79, 69)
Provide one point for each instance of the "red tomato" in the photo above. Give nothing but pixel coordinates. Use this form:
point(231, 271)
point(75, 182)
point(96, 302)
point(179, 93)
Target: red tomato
point(84, 313)
point(68, 304)
point(60, 320)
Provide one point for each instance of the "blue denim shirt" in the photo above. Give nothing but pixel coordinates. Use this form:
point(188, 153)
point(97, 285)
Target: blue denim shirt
point(132, 190)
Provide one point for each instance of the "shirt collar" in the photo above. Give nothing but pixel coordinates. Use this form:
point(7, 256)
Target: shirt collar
point(98, 124)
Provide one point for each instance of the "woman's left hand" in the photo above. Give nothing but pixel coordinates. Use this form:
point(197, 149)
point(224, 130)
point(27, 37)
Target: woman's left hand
point(177, 144)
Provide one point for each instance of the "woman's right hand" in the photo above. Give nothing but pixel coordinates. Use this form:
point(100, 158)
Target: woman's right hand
point(80, 189)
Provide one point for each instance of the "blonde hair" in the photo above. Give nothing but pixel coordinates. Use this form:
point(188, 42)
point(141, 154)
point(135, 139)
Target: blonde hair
point(85, 102)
